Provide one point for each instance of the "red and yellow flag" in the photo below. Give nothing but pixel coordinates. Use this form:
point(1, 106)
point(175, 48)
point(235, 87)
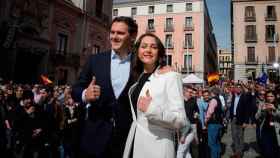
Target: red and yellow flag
point(213, 77)
point(46, 80)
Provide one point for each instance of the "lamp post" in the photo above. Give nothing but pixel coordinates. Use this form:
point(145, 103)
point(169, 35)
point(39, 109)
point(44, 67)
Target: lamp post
point(187, 62)
point(167, 44)
point(276, 63)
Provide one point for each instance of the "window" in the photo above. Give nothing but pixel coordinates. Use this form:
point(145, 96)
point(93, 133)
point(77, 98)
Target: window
point(251, 54)
point(151, 25)
point(169, 59)
point(133, 11)
point(271, 54)
point(269, 33)
point(98, 9)
point(168, 41)
point(227, 58)
point(115, 12)
point(250, 34)
point(188, 41)
point(250, 13)
point(169, 8)
point(151, 9)
point(188, 22)
point(271, 13)
point(62, 43)
point(188, 61)
point(188, 6)
point(169, 24)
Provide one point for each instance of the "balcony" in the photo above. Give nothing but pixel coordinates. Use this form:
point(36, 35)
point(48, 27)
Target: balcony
point(251, 39)
point(169, 28)
point(250, 19)
point(169, 45)
point(150, 29)
point(65, 58)
point(188, 28)
point(188, 46)
point(270, 17)
point(271, 61)
point(185, 70)
point(253, 61)
point(270, 39)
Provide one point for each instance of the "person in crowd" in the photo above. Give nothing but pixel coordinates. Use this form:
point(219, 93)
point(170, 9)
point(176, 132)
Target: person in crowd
point(36, 92)
point(269, 117)
point(192, 113)
point(29, 128)
point(213, 121)
point(18, 92)
point(203, 140)
point(71, 128)
point(103, 86)
point(3, 118)
point(239, 119)
point(260, 101)
point(53, 113)
point(156, 99)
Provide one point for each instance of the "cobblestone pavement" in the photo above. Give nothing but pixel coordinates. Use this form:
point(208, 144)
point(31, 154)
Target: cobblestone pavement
point(250, 143)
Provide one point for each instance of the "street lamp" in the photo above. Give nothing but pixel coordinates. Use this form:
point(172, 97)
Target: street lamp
point(276, 63)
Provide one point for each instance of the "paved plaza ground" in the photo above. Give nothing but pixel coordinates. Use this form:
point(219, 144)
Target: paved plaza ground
point(250, 143)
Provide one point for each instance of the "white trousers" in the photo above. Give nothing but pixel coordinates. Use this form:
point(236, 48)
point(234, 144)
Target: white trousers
point(183, 150)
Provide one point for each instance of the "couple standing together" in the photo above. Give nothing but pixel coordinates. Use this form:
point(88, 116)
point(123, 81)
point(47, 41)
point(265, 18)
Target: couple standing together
point(136, 103)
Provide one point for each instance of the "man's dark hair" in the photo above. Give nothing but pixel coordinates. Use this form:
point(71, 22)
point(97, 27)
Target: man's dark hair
point(27, 94)
point(205, 91)
point(215, 91)
point(132, 26)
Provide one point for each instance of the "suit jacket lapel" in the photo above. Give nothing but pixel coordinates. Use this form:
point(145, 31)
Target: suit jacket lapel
point(107, 71)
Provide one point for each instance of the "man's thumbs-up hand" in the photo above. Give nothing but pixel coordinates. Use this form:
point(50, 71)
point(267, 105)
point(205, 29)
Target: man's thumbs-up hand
point(144, 101)
point(93, 91)
point(93, 81)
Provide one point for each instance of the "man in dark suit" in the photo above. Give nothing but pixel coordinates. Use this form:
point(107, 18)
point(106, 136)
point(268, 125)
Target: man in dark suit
point(239, 116)
point(103, 85)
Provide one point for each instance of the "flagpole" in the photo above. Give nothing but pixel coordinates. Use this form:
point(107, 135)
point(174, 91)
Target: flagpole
point(167, 53)
point(187, 62)
point(276, 64)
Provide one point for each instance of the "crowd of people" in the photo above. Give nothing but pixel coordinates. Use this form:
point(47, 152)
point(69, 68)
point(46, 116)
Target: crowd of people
point(38, 120)
point(45, 120)
point(127, 103)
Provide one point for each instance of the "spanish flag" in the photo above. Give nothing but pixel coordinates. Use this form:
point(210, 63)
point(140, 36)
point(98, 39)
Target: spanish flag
point(213, 77)
point(46, 80)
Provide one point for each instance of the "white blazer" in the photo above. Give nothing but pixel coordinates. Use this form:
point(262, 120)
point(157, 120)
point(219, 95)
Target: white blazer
point(154, 131)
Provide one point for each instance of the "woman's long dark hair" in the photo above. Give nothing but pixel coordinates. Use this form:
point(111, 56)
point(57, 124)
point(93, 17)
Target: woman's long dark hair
point(137, 65)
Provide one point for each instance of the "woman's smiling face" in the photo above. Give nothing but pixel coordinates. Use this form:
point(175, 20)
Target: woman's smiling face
point(148, 51)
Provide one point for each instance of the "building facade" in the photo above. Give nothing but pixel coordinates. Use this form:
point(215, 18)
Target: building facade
point(225, 63)
point(255, 41)
point(52, 37)
point(184, 27)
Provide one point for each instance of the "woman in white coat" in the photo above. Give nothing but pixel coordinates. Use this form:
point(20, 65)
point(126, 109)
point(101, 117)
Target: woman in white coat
point(156, 101)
